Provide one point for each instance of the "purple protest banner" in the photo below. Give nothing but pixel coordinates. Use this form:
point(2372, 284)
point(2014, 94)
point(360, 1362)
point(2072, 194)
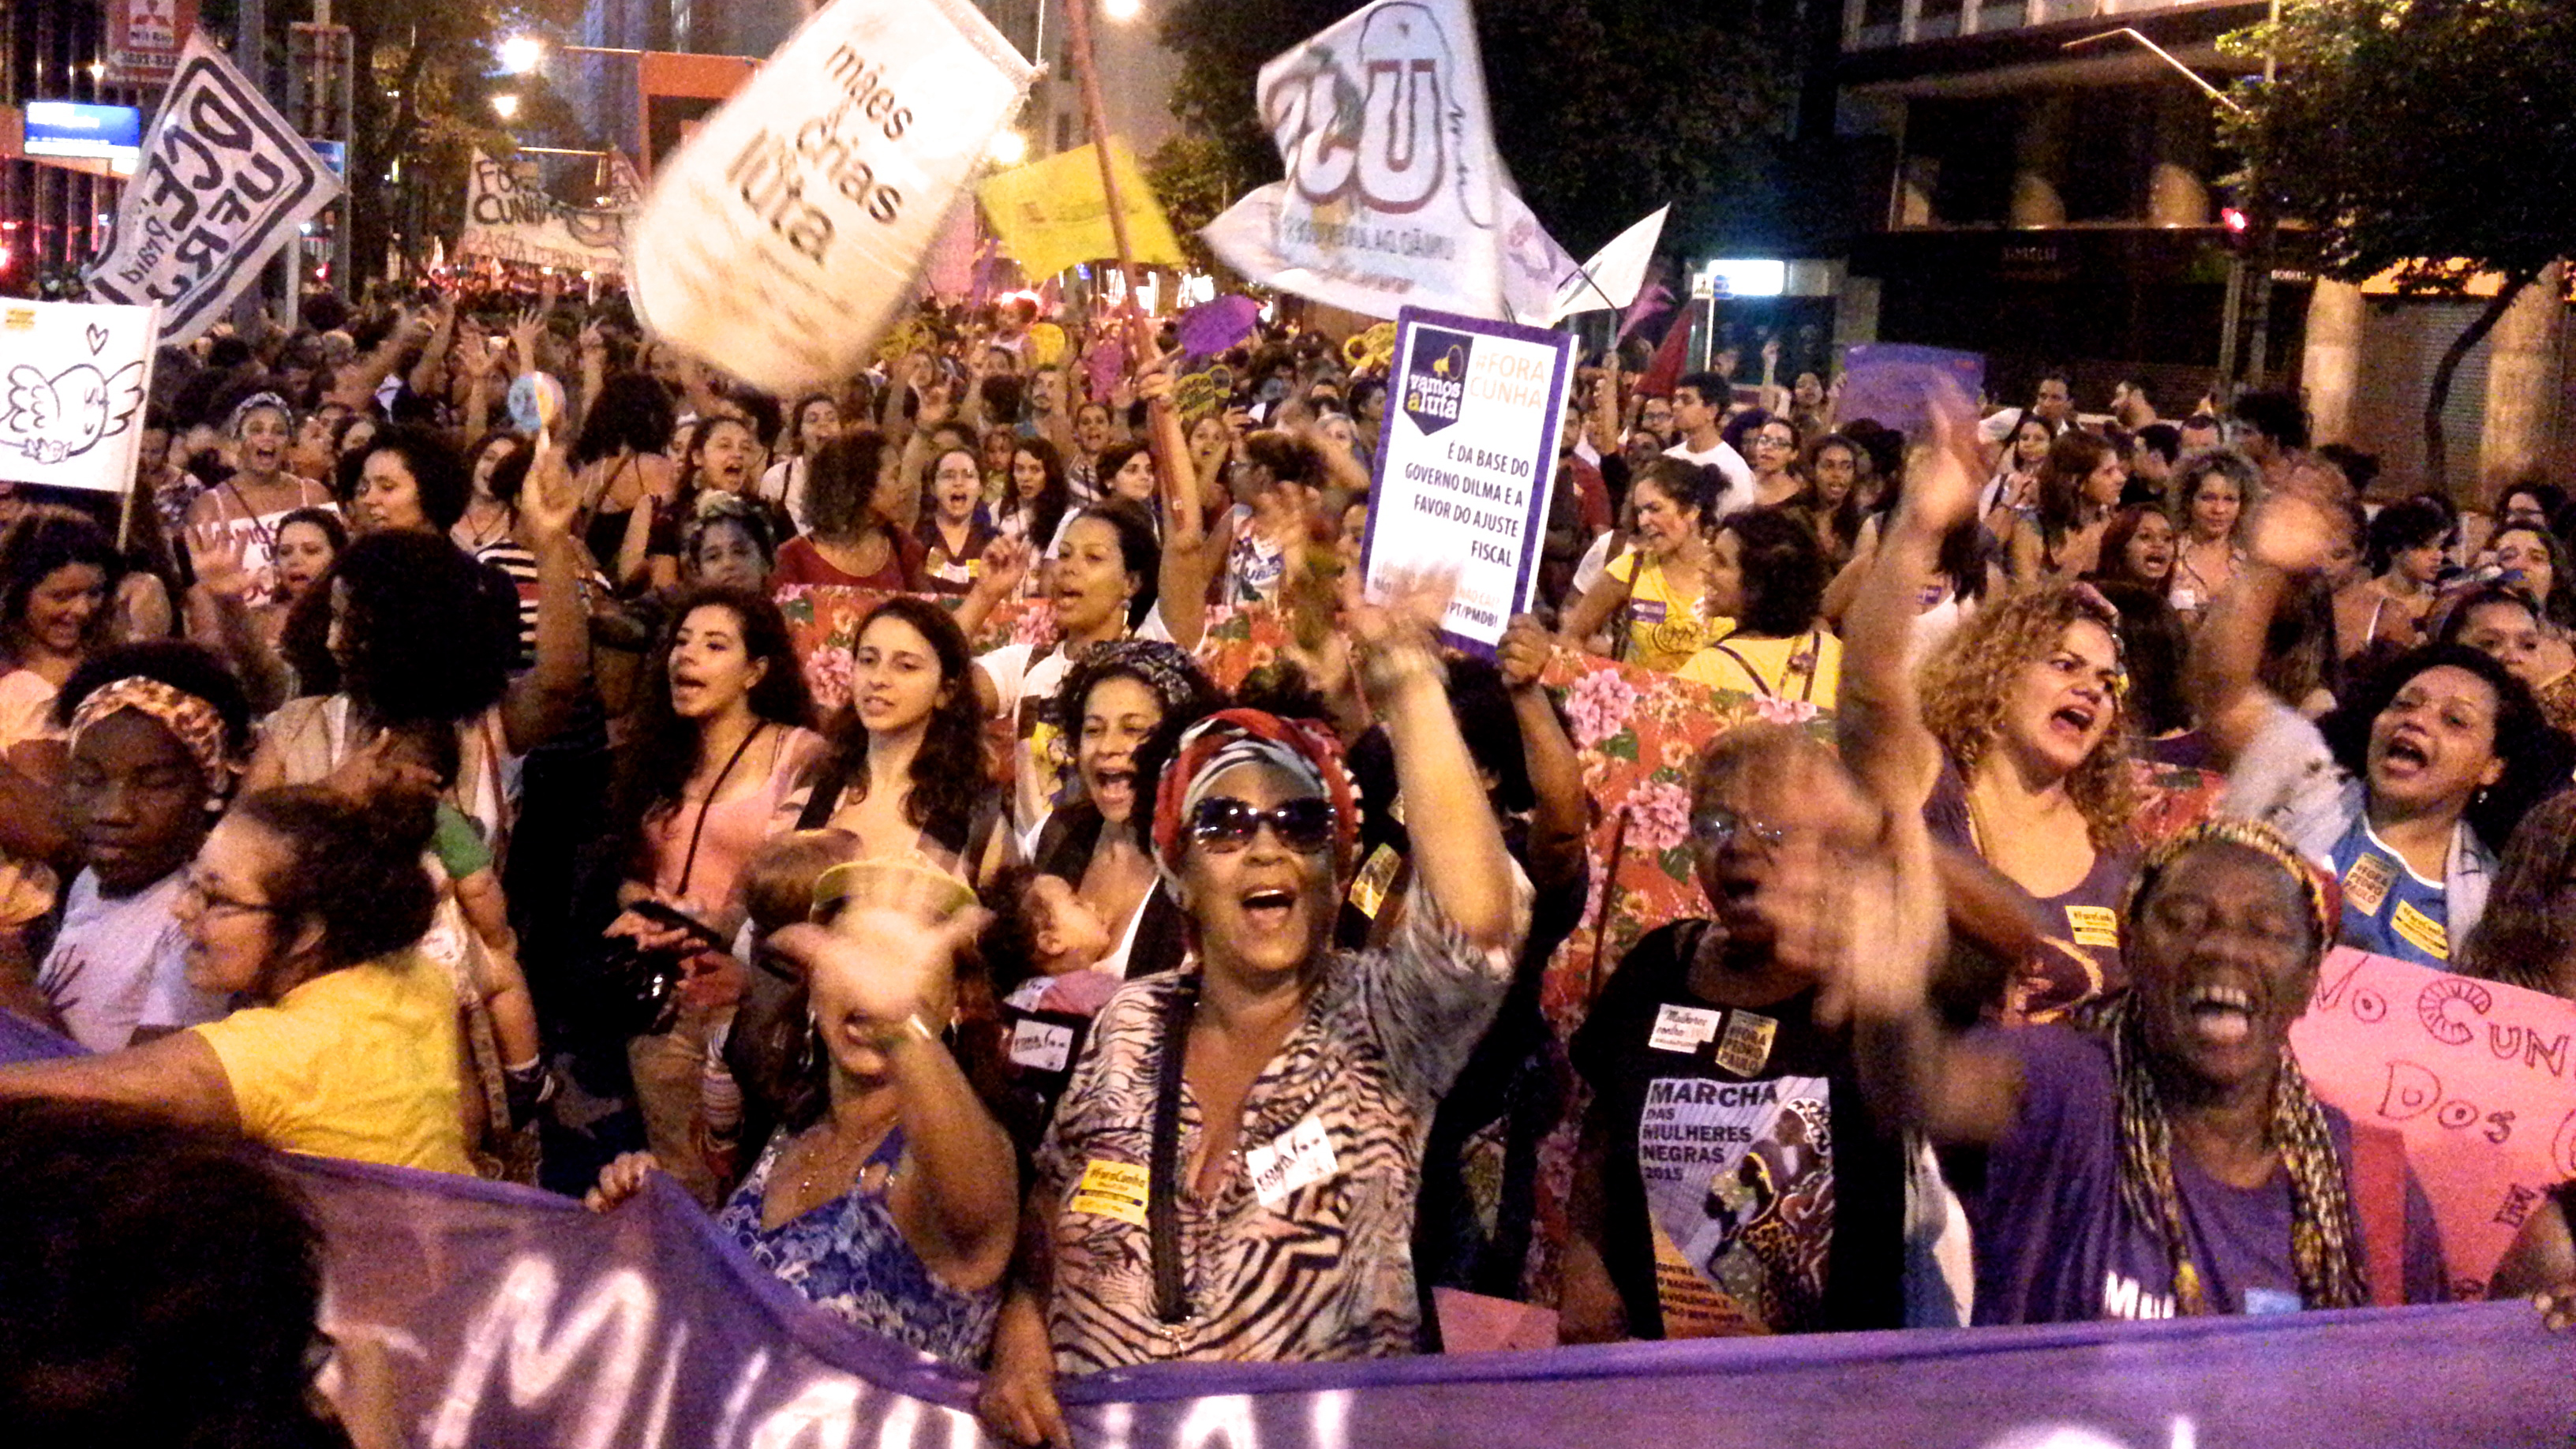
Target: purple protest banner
point(511, 1318)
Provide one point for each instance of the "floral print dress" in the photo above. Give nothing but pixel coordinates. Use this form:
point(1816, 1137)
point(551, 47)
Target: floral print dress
point(848, 1257)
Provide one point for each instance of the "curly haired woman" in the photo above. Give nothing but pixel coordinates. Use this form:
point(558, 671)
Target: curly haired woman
point(2014, 739)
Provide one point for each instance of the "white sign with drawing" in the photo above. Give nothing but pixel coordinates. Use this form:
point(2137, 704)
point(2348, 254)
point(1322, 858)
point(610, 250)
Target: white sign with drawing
point(72, 379)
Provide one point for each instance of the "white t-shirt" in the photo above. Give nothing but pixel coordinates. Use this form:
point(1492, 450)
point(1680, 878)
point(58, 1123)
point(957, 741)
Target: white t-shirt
point(1025, 682)
point(784, 485)
point(1739, 494)
point(118, 965)
point(1594, 566)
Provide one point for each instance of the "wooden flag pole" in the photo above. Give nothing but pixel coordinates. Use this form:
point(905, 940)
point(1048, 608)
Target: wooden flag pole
point(1095, 115)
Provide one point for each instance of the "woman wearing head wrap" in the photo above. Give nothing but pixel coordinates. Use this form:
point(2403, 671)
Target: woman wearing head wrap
point(1231, 1173)
point(2165, 1157)
point(156, 736)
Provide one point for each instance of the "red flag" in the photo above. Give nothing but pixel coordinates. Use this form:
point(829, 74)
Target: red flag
point(1664, 373)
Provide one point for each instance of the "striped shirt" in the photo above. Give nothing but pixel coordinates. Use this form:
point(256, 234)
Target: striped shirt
point(1319, 1266)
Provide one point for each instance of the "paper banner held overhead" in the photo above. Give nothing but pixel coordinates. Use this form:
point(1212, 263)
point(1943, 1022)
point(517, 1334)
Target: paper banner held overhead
point(72, 382)
point(509, 217)
point(1051, 214)
point(224, 184)
point(1394, 195)
point(789, 231)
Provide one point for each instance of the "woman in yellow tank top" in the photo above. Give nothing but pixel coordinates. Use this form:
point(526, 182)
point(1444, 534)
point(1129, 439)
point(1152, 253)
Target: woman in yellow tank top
point(1766, 582)
point(1652, 600)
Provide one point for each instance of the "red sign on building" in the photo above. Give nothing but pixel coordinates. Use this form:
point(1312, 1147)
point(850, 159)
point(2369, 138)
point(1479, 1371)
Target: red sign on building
point(144, 38)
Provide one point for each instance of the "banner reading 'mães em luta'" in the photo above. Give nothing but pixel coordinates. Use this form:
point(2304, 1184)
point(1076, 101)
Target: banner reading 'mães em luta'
point(224, 183)
point(783, 238)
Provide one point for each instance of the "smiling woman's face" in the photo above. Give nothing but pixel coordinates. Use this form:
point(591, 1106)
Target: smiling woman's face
point(1262, 908)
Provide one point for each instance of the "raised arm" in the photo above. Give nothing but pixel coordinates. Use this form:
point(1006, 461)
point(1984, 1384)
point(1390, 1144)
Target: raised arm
point(1457, 844)
point(542, 700)
point(2292, 534)
point(219, 619)
point(1559, 823)
point(960, 1210)
point(1887, 913)
point(1880, 724)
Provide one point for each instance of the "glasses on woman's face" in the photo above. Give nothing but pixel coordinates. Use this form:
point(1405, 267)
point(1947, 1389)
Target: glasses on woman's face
point(192, 884)
point(1224, 823)
point(1721, 829)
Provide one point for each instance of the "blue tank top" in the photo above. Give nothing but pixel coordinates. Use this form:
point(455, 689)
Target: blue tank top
point(2388, 909)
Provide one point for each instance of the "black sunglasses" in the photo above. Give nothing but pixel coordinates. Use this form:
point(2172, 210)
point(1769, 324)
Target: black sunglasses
point(1222, 822)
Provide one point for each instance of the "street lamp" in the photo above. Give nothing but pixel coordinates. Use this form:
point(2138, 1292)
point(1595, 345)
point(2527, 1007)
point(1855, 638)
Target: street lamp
point(521, 54)
point(1010, 147)
point(1122, 11)
point(506, 106)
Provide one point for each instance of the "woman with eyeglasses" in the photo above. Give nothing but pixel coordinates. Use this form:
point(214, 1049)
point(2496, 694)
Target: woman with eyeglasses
point(1773, 452)
point(1726, 1114)
point(304, 908)
point(1232, 1171)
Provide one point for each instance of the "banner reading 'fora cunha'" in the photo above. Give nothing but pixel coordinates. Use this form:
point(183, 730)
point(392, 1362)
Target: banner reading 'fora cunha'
point(784, 237)
point(509, 217)
point(224, 183)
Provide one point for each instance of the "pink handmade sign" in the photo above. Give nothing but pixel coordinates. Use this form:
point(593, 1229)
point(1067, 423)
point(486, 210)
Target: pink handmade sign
point(2478, 1075)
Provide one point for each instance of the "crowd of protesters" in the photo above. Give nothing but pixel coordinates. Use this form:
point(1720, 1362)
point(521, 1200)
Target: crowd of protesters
point(422, 770)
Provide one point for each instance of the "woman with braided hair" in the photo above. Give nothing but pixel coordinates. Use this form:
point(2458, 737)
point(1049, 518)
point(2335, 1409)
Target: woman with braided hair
point(2163, 1155)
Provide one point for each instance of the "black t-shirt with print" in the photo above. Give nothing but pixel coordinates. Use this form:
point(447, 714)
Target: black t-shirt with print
point(1747, 1188)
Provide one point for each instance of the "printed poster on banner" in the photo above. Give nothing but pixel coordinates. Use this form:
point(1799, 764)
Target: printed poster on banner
point(1467, 463)
point(509, 217)
point(72, 382)
point(144, 38)
point(224, 183)
point(2479, 1076)
point(786, 235)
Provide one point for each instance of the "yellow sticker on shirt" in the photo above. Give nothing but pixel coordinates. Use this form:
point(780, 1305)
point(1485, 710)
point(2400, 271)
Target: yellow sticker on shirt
point(2421, 931)
point(1369, 887)
point(1112, 1190)
point(2366, 885)
point(2094, 926)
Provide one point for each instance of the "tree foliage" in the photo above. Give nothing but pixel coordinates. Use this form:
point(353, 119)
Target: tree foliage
point(1194, 179)
point(2435, 137)
point(1603, 109)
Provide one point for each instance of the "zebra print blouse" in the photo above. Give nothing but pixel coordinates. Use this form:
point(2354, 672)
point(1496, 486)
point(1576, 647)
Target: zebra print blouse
point(1324, 1268)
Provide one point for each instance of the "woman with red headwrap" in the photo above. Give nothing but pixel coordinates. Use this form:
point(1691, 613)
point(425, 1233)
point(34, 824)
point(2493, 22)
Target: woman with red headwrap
point(1232, 1170)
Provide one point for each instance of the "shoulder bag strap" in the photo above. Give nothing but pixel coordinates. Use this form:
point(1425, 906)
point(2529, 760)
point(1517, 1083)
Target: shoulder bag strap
point(697, 832)
point(825, 798)
point(1162, 1182)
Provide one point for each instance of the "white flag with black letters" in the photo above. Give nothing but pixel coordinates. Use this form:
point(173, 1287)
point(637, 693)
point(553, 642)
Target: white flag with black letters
point(224, 183)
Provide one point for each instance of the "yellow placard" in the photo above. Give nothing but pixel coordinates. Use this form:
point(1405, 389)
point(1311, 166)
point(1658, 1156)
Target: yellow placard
point(1050, 214)
point(1112, 1190)
point(2420, 931)
point(2094, 926)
